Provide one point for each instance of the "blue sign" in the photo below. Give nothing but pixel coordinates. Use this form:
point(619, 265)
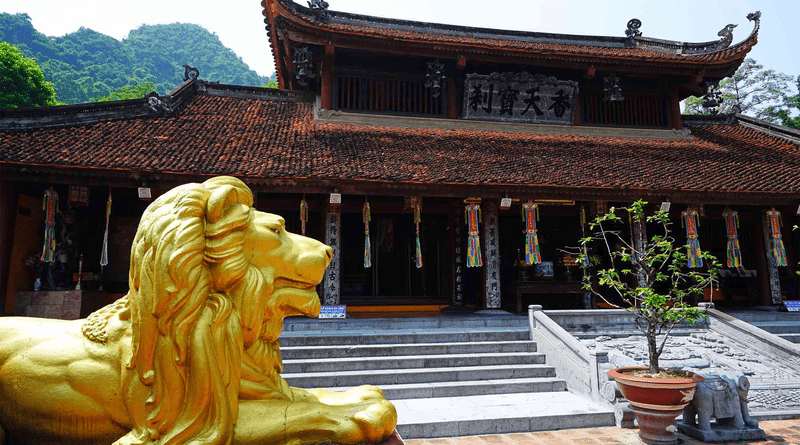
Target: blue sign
point(792, 305)
point(333, 312)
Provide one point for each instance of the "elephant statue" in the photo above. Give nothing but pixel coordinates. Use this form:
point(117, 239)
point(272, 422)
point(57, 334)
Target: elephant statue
point(723, 397)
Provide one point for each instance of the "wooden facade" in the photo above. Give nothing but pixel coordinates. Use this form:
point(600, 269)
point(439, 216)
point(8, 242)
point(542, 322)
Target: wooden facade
point(378, 110)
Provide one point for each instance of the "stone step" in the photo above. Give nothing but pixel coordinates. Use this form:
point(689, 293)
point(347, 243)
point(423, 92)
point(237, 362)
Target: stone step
point(402, 336)
point(497, 414)
point(778, 327)
point(416, 375)
point(794, 338)
point(470, 388)
point(320, 352)
point(411, 361)
point(472, 322)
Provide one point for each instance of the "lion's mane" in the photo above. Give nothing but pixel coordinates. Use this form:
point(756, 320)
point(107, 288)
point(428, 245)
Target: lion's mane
point(200, 316)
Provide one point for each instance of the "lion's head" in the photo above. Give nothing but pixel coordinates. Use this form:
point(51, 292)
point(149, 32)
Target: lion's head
point(211, 280)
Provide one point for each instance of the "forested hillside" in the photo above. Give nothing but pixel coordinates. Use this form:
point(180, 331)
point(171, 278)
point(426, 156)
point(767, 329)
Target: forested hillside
point(86, 65)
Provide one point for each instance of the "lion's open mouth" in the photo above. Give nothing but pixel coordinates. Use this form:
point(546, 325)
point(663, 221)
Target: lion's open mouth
point(296, 297)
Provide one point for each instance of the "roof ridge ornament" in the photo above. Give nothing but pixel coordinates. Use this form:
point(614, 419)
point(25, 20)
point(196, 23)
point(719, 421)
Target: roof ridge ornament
point(726, 36)
point(633, 32)
point(190, 72)
point(319, 6)
point(633, 28)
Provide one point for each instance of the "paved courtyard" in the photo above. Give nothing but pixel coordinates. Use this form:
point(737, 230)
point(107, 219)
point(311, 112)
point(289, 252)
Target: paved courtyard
point(778, 432)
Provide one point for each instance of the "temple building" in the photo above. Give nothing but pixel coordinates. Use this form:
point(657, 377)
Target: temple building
point(446, 165)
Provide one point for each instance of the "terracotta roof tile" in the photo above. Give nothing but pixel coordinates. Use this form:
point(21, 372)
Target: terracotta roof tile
point(273, 139)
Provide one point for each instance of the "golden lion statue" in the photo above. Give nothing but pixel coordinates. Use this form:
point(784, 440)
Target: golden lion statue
point(190, 355)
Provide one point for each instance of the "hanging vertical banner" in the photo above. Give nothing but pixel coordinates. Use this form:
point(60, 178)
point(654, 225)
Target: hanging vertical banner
point(732, 231)
point(491, 236)
point(303, 215)
point(775, 223)
point(458, 271)
point(417, 219)
point(367, 217)
point(332, 273)
point(530, 214)
point(50, 207)
point(691, 222)
point(104, 253)
point(472, 218)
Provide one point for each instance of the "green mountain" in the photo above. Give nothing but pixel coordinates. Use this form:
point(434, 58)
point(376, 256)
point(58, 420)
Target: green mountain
point(86, 65)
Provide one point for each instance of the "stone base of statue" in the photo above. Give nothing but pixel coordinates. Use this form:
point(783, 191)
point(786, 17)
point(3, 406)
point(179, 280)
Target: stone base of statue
point(722, 433)
point(394, 439)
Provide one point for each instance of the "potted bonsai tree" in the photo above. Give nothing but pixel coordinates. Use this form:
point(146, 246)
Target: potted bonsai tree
point(650, 277)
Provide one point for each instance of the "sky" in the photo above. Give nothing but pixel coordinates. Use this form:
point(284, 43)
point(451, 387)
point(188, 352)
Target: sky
point(239, 23)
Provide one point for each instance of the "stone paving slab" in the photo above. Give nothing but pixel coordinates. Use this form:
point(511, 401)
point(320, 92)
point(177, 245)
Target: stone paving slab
point(779, 432)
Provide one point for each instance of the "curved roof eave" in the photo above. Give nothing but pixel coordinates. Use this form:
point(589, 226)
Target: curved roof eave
point(636, 48)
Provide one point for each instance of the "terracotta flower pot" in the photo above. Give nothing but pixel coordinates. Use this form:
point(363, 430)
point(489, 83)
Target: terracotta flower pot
point(656, 401)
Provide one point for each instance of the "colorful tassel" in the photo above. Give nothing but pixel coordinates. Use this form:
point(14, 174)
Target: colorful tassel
point(691, 221)
point(104, 253)
point(530, 214)
point(778, 249)
point(472, 217)
point(303, 216)
point(732, 230)
point(50, 206)
point(417, 220)
point(367, 216)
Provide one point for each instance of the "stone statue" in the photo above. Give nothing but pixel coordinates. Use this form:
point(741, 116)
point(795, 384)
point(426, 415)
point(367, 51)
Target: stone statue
point(723, 397)
point(190, 354)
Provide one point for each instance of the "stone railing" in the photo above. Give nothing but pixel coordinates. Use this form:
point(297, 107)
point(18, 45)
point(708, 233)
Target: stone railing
point(572, 360)
point(756, 338)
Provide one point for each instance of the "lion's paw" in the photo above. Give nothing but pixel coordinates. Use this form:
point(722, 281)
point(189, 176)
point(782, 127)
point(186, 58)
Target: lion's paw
point(373, 422)
point(378, 421)
point(353, 396)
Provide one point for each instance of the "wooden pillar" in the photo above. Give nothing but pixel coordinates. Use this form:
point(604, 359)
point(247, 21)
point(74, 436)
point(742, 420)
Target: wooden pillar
point(326, 101)
point(770, 281)
point(456, 224)
point(333, 220)
point(491, 236)
point(7, 217)
point(451, 99)
point(675, 109)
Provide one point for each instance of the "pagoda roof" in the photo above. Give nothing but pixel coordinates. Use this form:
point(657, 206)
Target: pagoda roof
point(272, 138)
point(289, 21)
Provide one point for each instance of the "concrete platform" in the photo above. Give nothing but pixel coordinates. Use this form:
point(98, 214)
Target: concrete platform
point(505, 413)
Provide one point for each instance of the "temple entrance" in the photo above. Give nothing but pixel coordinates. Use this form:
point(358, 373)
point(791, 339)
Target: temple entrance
point(393, 277)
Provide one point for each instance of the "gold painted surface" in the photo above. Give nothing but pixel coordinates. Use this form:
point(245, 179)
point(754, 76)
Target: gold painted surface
point(190, 355)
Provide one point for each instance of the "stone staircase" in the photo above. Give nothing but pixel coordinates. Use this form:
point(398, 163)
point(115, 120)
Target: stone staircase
point(783, 324)
point(447, 376)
